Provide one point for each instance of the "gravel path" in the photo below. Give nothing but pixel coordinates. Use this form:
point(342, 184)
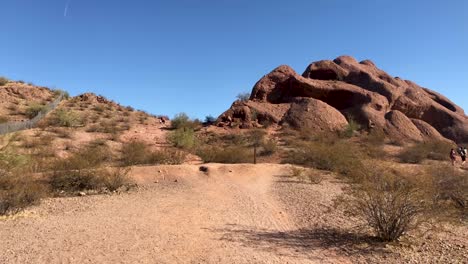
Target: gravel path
point(232, 214)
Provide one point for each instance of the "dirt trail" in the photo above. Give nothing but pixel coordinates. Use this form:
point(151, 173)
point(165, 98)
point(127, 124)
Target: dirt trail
point(218, 217)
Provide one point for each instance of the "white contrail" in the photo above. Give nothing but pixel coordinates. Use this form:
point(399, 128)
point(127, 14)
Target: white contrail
point(66, 8)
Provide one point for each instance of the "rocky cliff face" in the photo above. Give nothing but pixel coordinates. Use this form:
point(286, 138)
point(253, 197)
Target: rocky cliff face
point(330, 93)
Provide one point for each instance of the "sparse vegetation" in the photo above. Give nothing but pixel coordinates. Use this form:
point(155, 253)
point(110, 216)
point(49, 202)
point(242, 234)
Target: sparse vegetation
point(389, 203)
point(3, 81)
point(183, 138)
point(350, 129)
point(3, 119)
point(336, 155)
point(182, 120)
point(231, 154)
point(244, 97)
point(421, 151)
point(137, 152)
point(18, 192)
point(34, 109)
point(65, 118)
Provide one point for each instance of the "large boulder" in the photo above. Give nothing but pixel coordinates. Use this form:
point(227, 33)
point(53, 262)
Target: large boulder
point(315, 115)
point(357, 90)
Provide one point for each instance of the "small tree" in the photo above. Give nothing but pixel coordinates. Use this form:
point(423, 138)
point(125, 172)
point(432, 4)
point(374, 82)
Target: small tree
point(209, 119)
point(3, 81)
point(244, 97)
point(256, 139)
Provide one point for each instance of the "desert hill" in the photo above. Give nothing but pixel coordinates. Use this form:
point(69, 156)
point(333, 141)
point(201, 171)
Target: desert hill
point(74, 123)
point(329, 94)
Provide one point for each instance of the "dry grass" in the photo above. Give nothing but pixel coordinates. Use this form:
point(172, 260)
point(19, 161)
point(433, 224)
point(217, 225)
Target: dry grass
point(419, 152)
point(18, 191)
point(231, 154)
point(137, 153)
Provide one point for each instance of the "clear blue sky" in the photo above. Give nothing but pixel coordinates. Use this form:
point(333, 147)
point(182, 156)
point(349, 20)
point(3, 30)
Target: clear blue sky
point(195, 56)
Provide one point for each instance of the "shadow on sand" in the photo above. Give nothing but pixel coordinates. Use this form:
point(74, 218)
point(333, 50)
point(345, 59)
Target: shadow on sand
point(302, 241)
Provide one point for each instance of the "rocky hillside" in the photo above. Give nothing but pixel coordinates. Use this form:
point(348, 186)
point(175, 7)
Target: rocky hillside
point(17, 97)
point(331, 93)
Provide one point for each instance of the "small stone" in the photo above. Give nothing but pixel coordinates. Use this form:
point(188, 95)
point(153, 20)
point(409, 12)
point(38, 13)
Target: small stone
point(176, 180)
point(82, 194)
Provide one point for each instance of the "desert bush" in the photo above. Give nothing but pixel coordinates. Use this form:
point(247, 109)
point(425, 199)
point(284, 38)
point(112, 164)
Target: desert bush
point(306, 175)
point(340, 156)
point(63, 133)
point(350, 129)
point(183, 138)
point(449, 188)
point(3, 81)
point(3, 119)
point(209, 119)
point(390, 204)
point(134, 153)
point(137, 152)
point(419, 152)
point(65, 118)
point(373, 144)
point(268, 147)
point(58, 92)
point(98, 108)
point(34, 109)
point(114, 178)
point(244, 97)
point(80, 171)
point(18, 192)
point(181, 120)
point(230, 154)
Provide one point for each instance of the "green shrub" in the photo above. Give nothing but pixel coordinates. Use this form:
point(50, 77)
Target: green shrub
point(210, 119)
point(18, 192)
point(58, 92)
point(3, 81)
point(232, 154)
point(34, 109)
point(183, 138)
point(350, 129)
point(181, 120)
point(65, 118)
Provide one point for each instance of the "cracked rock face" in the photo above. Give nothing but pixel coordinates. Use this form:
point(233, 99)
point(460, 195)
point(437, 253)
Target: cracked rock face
point(329, 93)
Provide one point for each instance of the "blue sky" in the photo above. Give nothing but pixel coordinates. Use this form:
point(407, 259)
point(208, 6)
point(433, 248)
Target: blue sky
point(195, 56)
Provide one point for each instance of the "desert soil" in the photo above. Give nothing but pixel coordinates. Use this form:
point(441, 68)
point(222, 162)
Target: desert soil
point(232, 214)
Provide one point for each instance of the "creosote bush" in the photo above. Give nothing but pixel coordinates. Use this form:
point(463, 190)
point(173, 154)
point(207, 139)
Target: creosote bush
point(332, 154)
point(183, 138)
point(182, 120)
point(389, 203)
point(65, 118)
point(18, 191)
point(419, 152)
point(34, 109)
point(230, 154)
point(137, 153)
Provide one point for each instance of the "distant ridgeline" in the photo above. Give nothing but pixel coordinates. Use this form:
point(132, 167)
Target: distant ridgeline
point(10, 127)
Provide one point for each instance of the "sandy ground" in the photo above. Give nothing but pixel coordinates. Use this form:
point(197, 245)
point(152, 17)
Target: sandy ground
point(232, 214)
